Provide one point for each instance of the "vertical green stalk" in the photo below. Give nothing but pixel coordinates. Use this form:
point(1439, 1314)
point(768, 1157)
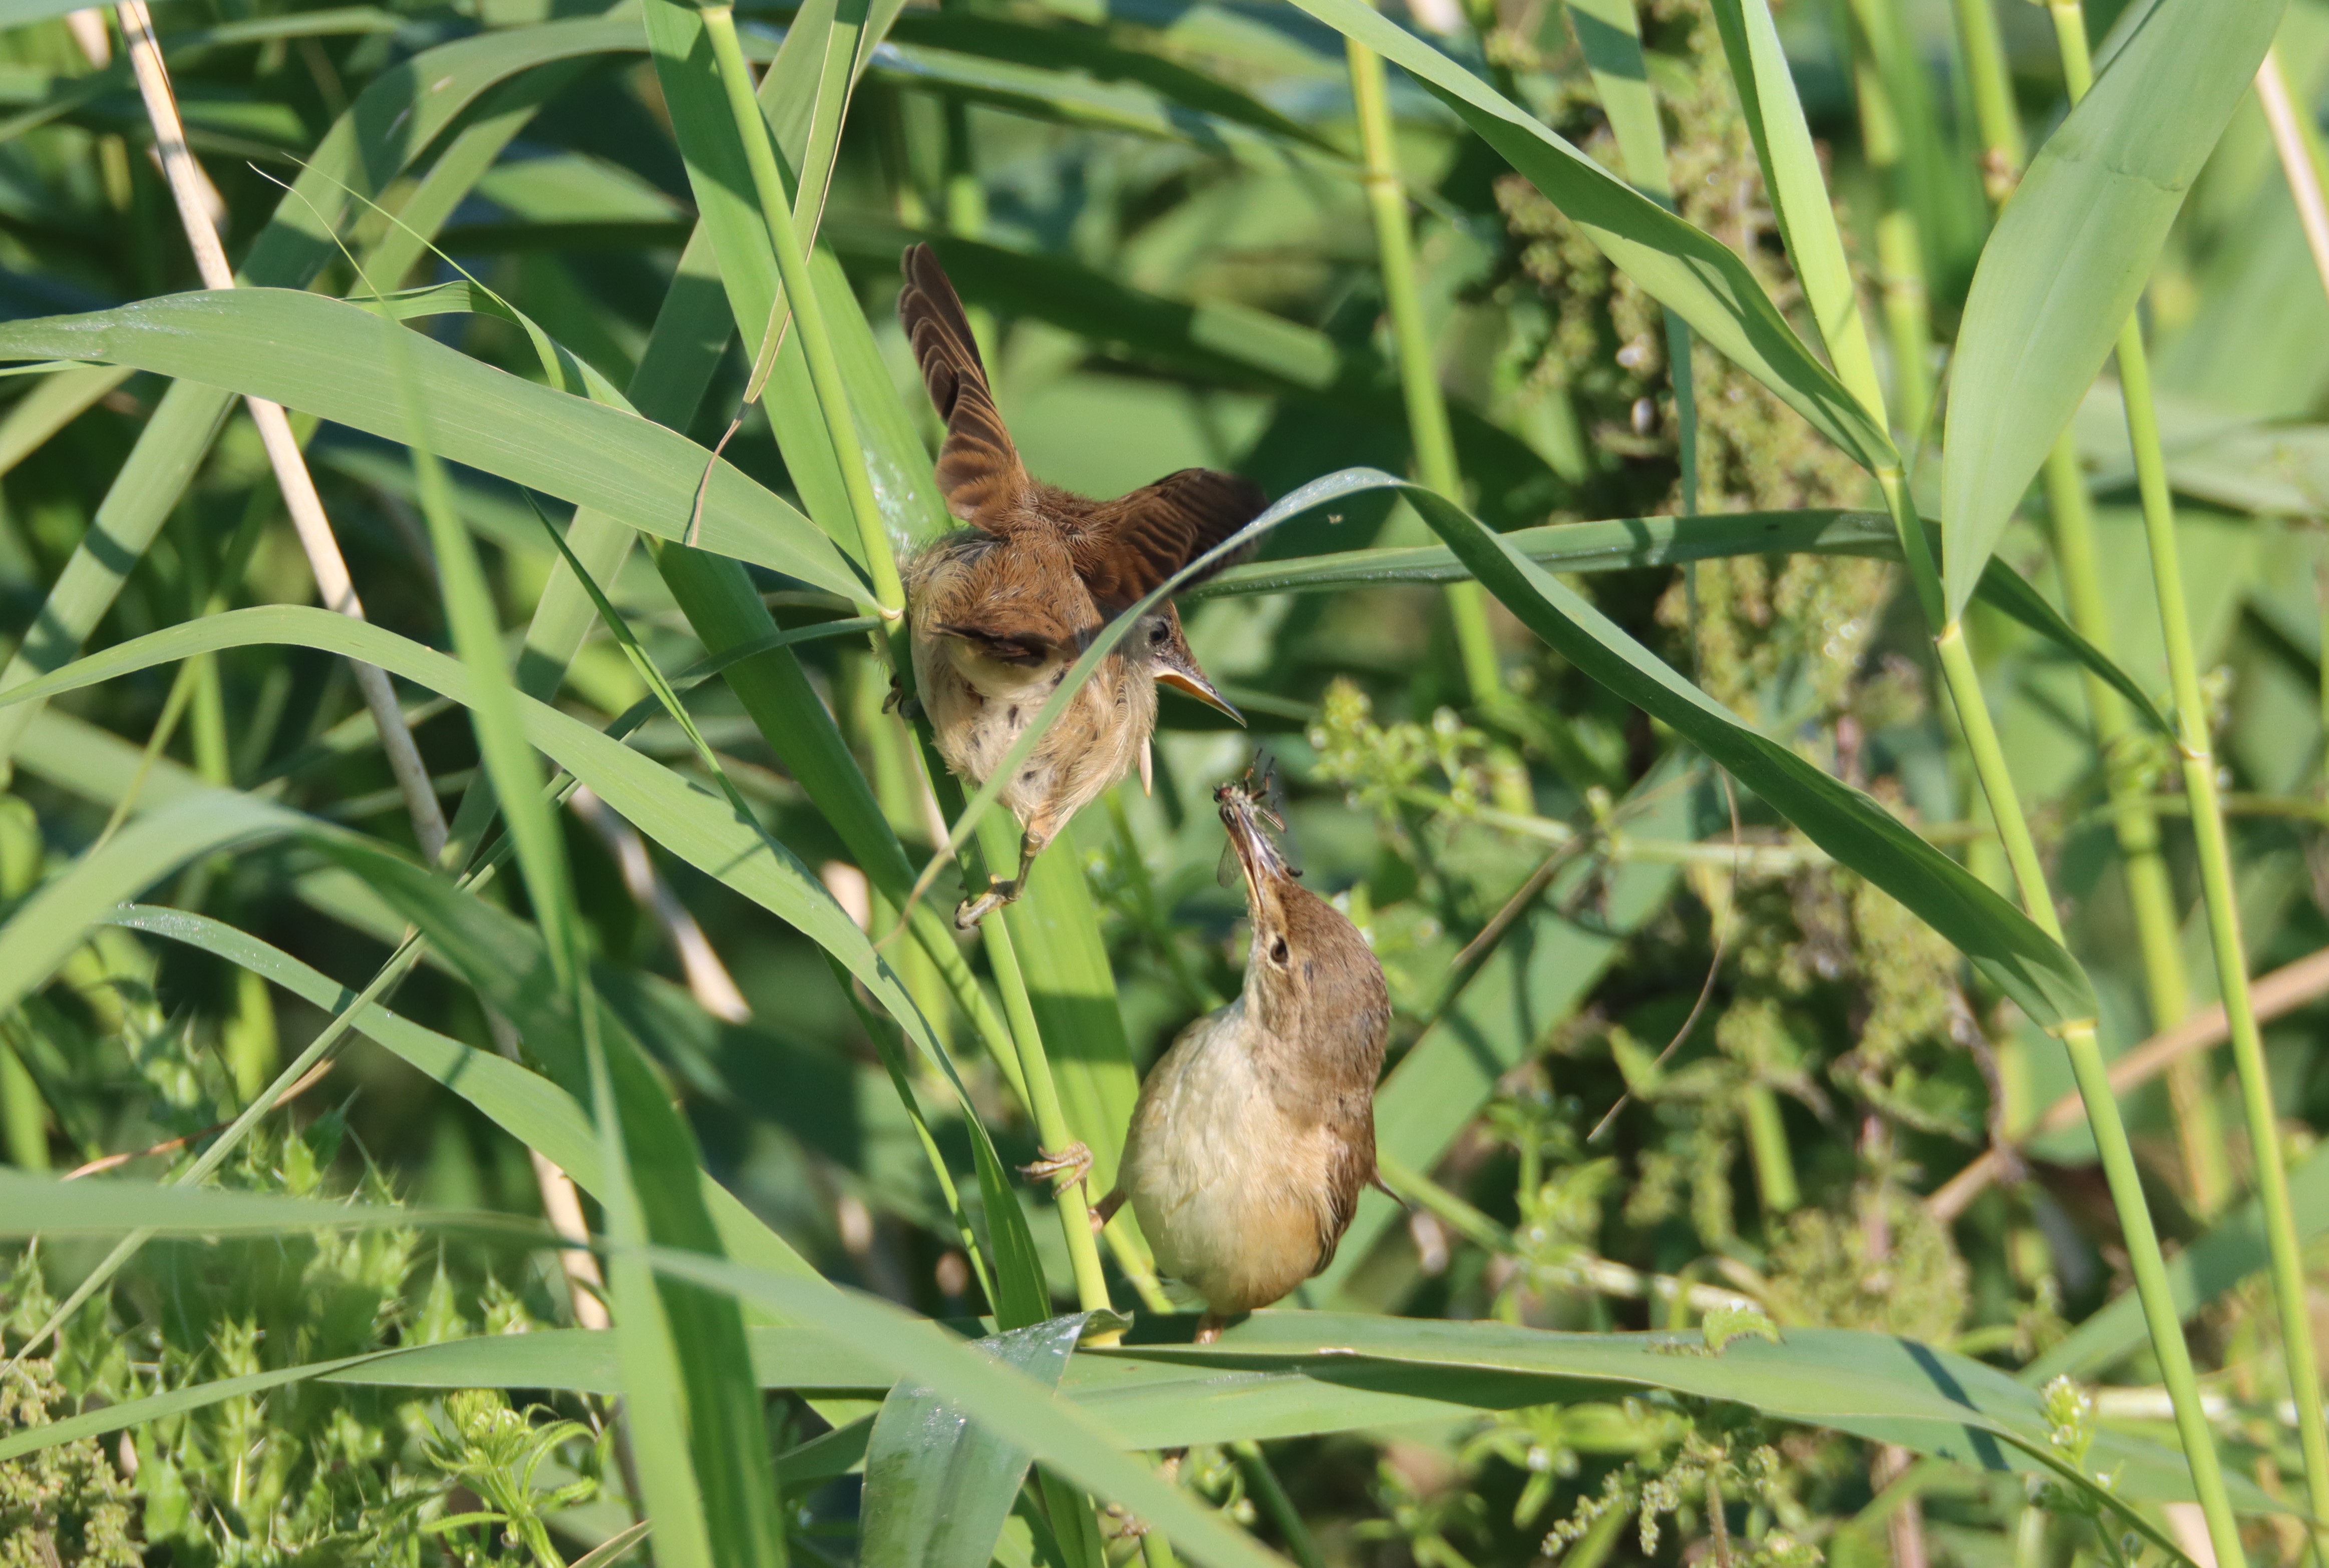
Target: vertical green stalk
point(2217, 885)
point(2151, 893)
point(2221, 897)
point(2126, 1182)
point(1991, 82)
point(1900, 248)
point(1418, 376)
point(1767, 1143)
point(817, 343)
point(832, 398)
point(999, 841)
point(23, 1114)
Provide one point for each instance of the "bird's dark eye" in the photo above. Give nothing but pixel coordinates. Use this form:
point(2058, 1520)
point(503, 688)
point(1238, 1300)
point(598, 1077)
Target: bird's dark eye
point(1277, 951)
point(1158, 636)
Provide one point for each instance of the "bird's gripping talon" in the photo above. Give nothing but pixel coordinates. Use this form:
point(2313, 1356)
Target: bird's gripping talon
point(971, 911)
point(1064, 1169)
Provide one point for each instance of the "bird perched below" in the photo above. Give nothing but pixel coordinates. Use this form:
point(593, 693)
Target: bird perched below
point(1255, 1131)
point(999, 611)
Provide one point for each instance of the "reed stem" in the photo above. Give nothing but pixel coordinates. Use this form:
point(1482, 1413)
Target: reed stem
point(1419, 374)
point(1900, 247)
point(2218, 893)
point(890, 597)
point(808, 320)
point(1989, 78)
point(2221, 896)
point(2151, 891)
point(2119, 1172)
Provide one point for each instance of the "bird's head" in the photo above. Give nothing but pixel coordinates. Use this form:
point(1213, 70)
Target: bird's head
point(1160, 638)
point(1311, 976)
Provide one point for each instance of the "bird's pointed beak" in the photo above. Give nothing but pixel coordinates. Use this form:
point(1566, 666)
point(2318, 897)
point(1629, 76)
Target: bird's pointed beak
point(1191, 682)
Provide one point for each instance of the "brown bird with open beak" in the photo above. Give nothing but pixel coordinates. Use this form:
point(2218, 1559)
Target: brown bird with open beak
point(1000, 610)
point(1254, 1133)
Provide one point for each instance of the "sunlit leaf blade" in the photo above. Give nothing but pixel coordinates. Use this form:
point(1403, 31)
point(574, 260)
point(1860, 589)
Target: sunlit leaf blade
point(937, 1483)
point(693, 825)
point(328, 358)
point(523, 1104)
point(1608, 544)
point(2002, 942)
point(1680, 265)
point(1247, 133)
point(1626, 543)
point(1798, 188)
point(401, 114)
point(2073, 249)
point(46, 928)
point(1290, 1373)
point(1087, 52)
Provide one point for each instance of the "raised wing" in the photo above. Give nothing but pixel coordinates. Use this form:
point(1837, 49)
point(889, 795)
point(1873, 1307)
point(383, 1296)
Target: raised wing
point(1124, 548)
point(978, 469)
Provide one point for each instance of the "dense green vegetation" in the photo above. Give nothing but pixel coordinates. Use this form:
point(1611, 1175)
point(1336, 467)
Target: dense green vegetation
point(1798, 666)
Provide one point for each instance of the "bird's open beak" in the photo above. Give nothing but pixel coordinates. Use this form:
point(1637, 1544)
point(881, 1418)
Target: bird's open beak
point(1192, 683)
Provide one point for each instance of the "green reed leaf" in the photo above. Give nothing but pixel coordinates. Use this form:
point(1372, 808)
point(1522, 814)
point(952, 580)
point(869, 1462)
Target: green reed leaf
point(2073, 249)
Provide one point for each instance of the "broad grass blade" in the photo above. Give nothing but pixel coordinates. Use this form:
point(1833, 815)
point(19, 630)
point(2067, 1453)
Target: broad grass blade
point(1624, 543)
point(527, 1106)
point(699, 1442)
point(1799, 197)
point(1072, 51)
point(46, 929)
point(398, 117)
point(2072, 250)
point(2020, 959)
point(939, 1485)
point(331, 359)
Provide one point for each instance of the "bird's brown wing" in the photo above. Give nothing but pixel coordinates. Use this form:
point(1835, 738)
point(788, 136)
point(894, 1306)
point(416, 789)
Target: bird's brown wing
point(1124, 548)
point(1353, 1168)
point(978, 469)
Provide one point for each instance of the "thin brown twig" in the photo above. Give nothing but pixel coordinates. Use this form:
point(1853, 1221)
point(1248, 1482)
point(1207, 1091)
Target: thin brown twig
point(103, 1163)
point(330, 568)
point(2288, 139)
point(2282, 991)
point(1713, 967)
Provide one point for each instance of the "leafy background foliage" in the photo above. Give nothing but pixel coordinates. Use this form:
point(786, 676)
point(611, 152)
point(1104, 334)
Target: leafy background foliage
point(1155, 214)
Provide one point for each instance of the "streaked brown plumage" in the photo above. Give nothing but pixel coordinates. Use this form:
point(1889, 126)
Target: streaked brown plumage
point(1255, 1132)
point(1000, 610)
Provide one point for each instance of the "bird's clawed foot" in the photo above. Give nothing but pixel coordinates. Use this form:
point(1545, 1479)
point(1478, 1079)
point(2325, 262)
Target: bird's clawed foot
point(1064, 1169)
point(971, 911)
point(909, 708)
point(1210, 1327)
